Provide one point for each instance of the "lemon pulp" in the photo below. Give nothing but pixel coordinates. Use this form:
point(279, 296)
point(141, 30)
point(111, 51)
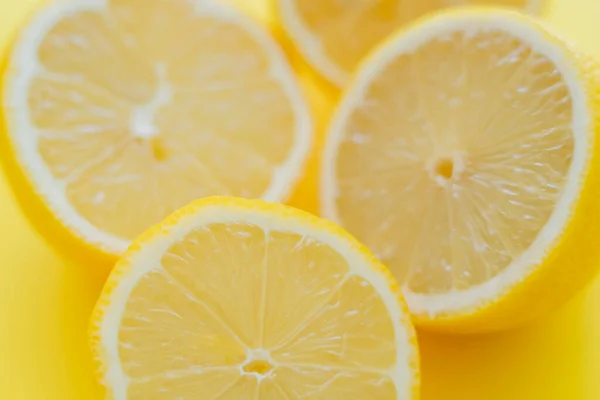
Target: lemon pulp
point(455, 157)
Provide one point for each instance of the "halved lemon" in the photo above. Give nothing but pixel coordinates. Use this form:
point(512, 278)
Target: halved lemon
point(118, 112)
point(243, 299)
point(334, 36)
point(465, 156)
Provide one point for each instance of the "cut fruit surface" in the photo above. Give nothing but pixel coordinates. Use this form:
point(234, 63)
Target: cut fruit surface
point(121, 111)
point(242, 299)
point(334, 36)
point(464, 155)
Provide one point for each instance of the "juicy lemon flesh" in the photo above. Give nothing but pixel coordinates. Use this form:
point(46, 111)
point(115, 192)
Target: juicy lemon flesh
point(368, 22)
point(455, 158)
point(148, 105)
point(237, 312)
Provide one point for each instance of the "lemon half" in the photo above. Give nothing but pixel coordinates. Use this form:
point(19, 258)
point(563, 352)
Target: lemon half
point(119, 112)
point(334, 36)
point(242, 299)
point(465, 156)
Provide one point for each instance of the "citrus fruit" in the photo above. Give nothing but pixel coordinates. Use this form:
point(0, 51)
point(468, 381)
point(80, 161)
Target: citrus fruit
point(118, 112)
point(465, 156)
point(243, 299)
point(334, 36)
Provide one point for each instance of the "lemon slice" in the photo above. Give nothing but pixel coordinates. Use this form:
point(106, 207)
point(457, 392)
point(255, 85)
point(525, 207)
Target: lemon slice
point(242, 299)
point(334, 36)
point(119, 112)
point(465, 156)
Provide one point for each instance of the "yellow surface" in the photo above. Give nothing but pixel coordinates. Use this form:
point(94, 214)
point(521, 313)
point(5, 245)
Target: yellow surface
point(45, 303)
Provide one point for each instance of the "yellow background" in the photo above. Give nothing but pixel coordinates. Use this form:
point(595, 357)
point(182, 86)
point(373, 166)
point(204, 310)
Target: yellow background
point(45, 302)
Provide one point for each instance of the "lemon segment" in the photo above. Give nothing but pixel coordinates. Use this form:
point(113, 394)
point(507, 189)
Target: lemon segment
point(240, 299)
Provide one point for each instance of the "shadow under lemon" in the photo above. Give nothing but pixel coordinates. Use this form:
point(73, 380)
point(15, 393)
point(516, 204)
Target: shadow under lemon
point(46, 306)
point(548, 359)
point(49, 284)
point(82, 289)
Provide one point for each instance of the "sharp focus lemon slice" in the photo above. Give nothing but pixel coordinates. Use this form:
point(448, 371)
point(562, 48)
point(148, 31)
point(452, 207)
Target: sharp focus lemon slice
point(334, 36)
point(465, 156)
point(121, 111)
point(242, 299)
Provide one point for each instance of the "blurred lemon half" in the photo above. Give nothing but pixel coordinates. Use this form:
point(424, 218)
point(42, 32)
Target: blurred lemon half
point(465, 156)
point(243, 299)
point(334, 36)
point(118, 112)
